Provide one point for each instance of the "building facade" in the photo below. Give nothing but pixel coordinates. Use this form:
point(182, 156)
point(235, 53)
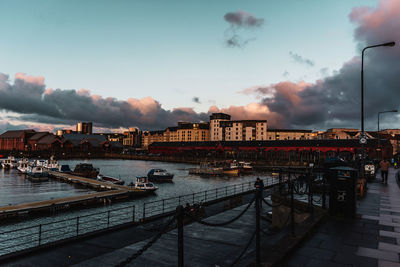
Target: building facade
point(215, 129)
point(84, 127)
point(290, 134)
point(132, 138)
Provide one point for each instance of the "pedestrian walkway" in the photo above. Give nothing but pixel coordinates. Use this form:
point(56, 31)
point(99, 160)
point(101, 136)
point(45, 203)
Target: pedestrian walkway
point(371, 240)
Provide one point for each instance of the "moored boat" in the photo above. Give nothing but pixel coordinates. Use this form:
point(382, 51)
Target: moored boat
point(143, 183)
point(37, 174)
point(23, 165)
point(86, 170)
point(232, 169)
point(245, 167)
point(109, 179)
point(206, 169)
point(160, 175)
point(9, 163)
point(52, 164)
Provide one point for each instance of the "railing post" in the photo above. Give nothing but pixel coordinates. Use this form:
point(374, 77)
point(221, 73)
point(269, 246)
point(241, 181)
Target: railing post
point(40, 234)
point(205, 196)
point(291, 208)
point(163, 205)
point(216, 193)
point(323, 193)
point(108, 219)
point(234, 190)
point(193, 199)
point(144, 211)
point(179, 200)
point(258, 200)
point(180, 216)
point(77, 226)
point(133, 213)
point(226, 191)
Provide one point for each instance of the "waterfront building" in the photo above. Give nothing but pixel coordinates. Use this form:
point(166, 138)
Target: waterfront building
point(222, 128)
point(171, 134)
point(132, 138)
point(291, 134)
point(84, 127)
point(85, 143)
point(149, 137)
point(16, 140)
point(191, 132)
point(215, 129)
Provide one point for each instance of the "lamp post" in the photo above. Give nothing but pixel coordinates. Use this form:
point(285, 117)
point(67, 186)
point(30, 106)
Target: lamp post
point(362, 137)
point(379, 139)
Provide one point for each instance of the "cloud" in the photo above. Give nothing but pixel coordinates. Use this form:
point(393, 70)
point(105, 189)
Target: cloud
point(27, 96)
point(334, 101)
point(299, 59)
point(196, 100)
point(242, 19)
point(239, 22)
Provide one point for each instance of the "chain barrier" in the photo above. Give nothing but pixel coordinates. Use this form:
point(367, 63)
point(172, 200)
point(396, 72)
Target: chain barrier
point(244, 250)
point(147, 246)
point(271, 205)
point(219, 224)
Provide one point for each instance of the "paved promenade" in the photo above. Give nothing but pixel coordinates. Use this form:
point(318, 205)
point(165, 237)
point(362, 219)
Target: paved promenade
point(372, 240)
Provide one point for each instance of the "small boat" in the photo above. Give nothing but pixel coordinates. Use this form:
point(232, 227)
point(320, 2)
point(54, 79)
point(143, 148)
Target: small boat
point(86, 170)
point(143, 183)
point(109, 179)
point(23, 165)
point(9, 163)
point(52, 164)
point(64, 169)
point(38, 162)
point(245, 167)
point(160, 175)
point(206, 169)
point(37, 174)
point(232, 169)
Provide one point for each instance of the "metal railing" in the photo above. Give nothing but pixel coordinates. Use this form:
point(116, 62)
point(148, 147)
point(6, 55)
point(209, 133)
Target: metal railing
point(25, 238)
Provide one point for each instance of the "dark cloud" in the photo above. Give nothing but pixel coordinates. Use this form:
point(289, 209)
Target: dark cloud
point(240, 21)
point(335, 100)
point(196, 100)
point(243, 19)
point(299, 59)
point(28, 97)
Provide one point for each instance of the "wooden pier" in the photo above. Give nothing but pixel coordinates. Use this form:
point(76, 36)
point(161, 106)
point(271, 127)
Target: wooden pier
point(109, 193)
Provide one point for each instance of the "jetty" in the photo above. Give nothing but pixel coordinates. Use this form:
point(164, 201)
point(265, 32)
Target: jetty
point(108, 193)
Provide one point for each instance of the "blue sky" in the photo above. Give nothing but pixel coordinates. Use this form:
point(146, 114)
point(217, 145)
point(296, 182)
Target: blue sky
point(173, 51)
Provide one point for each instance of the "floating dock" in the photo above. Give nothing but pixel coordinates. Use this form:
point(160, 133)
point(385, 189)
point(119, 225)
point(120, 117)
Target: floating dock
point(109, 193)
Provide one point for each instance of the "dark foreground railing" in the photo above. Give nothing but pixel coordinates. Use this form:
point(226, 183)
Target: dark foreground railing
point(26, 238)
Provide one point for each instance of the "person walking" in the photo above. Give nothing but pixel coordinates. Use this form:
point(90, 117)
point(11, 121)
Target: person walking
point(259, 186)
point(384, 164)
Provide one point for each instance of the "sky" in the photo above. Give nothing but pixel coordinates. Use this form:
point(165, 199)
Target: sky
point(151, 64)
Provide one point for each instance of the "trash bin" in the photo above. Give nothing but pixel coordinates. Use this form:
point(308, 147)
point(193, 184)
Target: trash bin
point(342, 193)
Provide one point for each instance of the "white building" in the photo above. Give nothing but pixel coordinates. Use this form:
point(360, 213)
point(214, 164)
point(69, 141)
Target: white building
point(223, 129)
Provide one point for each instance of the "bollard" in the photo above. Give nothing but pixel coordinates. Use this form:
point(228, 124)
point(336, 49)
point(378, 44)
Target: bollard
point(258, 200)
point(180, 216)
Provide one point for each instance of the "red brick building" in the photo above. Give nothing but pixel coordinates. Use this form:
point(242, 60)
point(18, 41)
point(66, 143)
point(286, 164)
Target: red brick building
point(15, 140)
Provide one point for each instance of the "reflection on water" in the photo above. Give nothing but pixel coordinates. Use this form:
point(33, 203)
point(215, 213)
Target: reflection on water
point(14, 188)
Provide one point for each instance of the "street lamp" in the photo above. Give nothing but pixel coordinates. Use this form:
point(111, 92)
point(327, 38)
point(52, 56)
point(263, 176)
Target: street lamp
point(379, 139)
point(362, 137)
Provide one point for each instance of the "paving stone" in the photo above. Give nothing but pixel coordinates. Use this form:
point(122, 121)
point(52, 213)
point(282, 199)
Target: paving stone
point(354, 260)
point(378, 254)
point(383, 263)
point(316, 253)
point(389, 247)
point(388, 233)
point(319, 263)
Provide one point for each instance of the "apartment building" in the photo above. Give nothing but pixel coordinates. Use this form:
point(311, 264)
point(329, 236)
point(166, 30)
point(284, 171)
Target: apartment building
point(291, 134)
point(191, 132)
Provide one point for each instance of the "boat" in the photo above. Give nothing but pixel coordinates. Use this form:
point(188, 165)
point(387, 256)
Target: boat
point(109, 179)
point(38, 162)
point(52, 164)
point(143, 183)
point(232, 169)
point(206, 168)
point(37, 174)
point(64, 169)
point(86, 170)
point(9, 163)
point(23, 165)
point(160, 175)
point(245, 167)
